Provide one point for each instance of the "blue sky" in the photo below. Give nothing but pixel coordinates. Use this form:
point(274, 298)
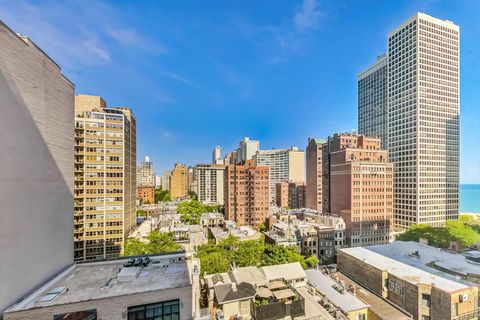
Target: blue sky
point(204, 73)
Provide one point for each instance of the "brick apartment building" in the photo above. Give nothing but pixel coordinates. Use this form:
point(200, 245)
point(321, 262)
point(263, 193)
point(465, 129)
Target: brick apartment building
point(246, 193)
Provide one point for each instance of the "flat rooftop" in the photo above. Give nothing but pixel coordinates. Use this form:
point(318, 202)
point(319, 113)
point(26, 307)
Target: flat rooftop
point(399, 259)
point(377, 305)
point(345, 301)
point(97, 280)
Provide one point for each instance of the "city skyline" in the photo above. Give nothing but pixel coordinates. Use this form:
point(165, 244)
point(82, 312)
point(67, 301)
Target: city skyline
point(178, 98)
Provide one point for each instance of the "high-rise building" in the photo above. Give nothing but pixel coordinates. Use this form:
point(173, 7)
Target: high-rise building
point(105, 178)
point(246, 193)
point(246, 150)
point(361, 188)
point(158, 181)
point(315, 174)
point(146, 173)
point(422, 119)
point(36, 161)
point(372, 101)
point(210, 183)
point(217, 155)
point(166, 180)
point(229, 158)
point(284, 164)
point(179, 181)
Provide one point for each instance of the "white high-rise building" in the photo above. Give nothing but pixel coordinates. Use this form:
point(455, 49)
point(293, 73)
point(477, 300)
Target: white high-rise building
point(166, 179)
point(158, 181)
point(285, 165)
point(423, 105)
point(210, 183)
point(372, 101)
point(246, 149)
point(217, 155)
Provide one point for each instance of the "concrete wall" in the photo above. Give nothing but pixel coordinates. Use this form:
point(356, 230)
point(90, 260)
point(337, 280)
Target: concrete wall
point(112, 308)
point(36, 161)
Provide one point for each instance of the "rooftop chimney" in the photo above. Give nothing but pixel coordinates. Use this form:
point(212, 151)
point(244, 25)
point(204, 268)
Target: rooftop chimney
point(234, 287)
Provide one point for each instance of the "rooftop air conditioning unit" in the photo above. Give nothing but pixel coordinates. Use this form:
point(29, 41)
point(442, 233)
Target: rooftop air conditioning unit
point(463, 297)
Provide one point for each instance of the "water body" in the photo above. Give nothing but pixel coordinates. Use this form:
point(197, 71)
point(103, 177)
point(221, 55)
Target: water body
point(470, 198)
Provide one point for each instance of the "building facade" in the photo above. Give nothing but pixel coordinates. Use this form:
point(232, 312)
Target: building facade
point(281, 194)
point(210, 183)
point(36, 179)
point(372, 101)
point(246, 150)
point(105, 178)
point(146, 173)
point(166, 180)
point(422, 118)
point(297, 194)
point(401, 277)
point(179, 181)
point(284, 164)
point(246, 193)
point(217, 155)
point(315, 176)
point(361, 188)
point(146, 194)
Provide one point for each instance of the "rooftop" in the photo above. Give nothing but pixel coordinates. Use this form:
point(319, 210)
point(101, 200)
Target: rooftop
point(404, 251)
point(287, 271)
point(345, 301)
point(400, 259)
point(98, 280)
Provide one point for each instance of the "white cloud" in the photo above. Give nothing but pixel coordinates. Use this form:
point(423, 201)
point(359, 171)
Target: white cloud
point(74, 33)
point(307, 16)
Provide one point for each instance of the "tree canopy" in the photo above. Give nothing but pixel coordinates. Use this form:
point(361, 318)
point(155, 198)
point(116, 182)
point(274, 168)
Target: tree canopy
point(191, 211)
point(157, 242)
point(465, 232)
point(217, 258)
point(162, 195)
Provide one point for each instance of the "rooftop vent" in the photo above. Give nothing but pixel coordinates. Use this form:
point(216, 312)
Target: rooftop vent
point(52, 294)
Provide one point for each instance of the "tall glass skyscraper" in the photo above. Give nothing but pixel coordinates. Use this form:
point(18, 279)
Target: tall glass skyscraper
point(422, 127)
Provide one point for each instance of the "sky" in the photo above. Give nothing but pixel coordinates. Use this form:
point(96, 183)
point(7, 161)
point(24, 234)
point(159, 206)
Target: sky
point(203, 73)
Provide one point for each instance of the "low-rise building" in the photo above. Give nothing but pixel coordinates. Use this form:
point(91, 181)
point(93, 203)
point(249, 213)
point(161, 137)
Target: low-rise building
point(336, 297)
point(410, 276)
point(269, 292)
point(314, 233)
point(146, 194)
point(212, 220)
point(116, 290)
point(243, 233)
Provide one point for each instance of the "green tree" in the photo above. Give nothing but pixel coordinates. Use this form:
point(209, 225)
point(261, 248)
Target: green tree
point(311, 262)
point(141, 213)
point(262, 227)
point(459, 231)
point(162, 195)
point(134, 247)
point(192, 195)
point(161, 242)
point(192, 210)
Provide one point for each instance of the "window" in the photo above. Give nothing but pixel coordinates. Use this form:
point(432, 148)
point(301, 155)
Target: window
point(425, 317)
point(77, 315)
point(426, 300)
point(168, 310)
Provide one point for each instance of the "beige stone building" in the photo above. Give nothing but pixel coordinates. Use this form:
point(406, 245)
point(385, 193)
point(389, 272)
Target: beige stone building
point(401, 274)
point(36, 167)
point(361, 188)
point(246, 193)
point(179, 181)
point(105, 178)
